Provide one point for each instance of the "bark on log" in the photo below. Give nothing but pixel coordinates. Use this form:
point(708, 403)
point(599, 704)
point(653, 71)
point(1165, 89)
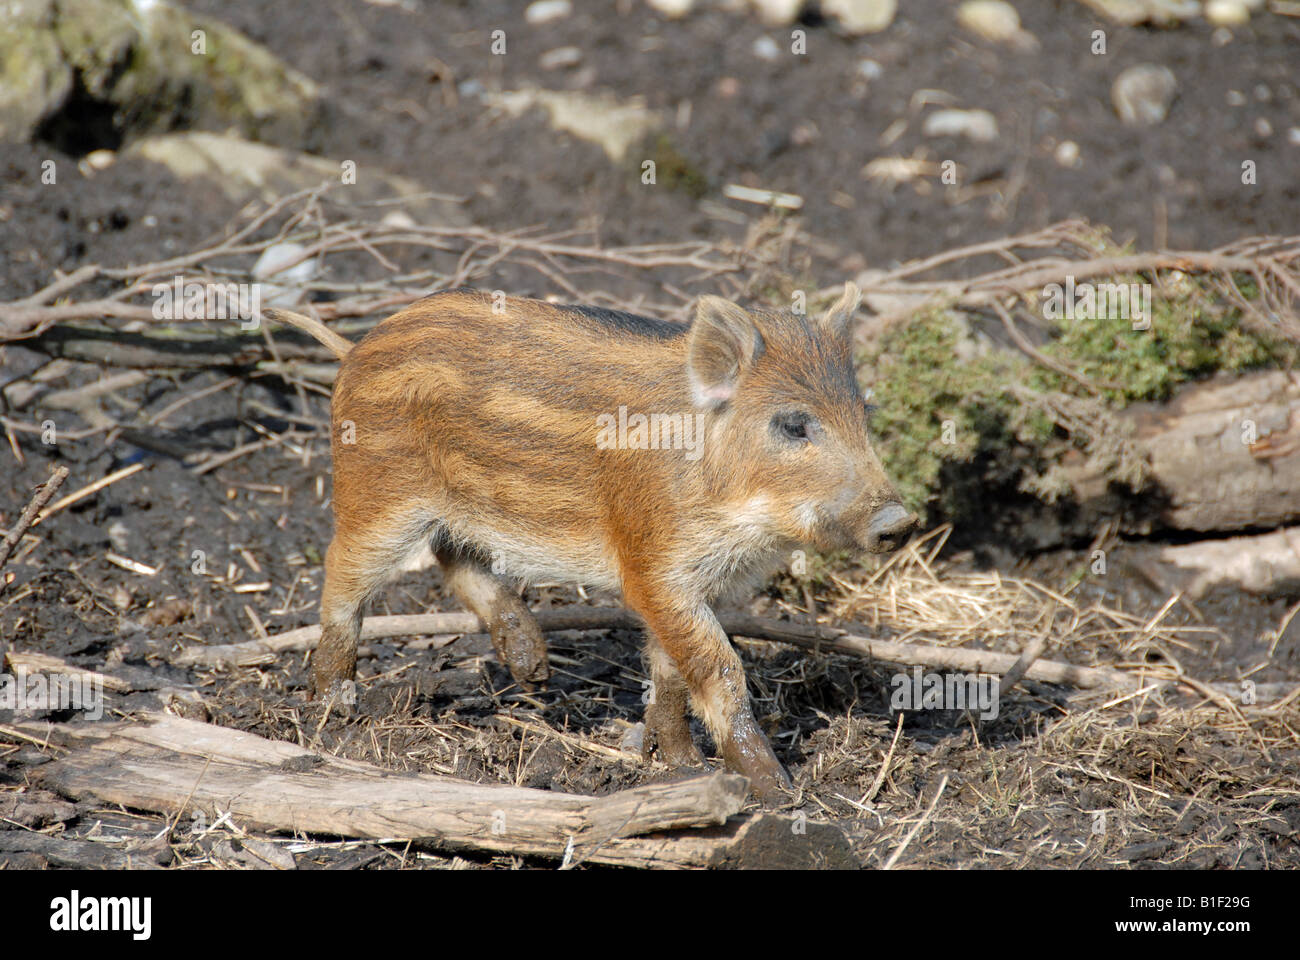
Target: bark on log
point(169, 764)
point(1224, 455)
point(1266, 565)
point(72, 854)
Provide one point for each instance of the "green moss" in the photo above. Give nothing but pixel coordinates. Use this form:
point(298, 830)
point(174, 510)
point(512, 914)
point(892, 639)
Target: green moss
point(933, 407)
point(1192, 334)
point(956, 418)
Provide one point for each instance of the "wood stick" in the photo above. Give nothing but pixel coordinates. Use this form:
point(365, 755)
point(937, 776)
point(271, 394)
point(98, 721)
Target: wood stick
point(44, 663)
point(86, 491)
point(1027, 658)
point(31, 512)
point(814, 638)
point(403, 625)
point(817, 639)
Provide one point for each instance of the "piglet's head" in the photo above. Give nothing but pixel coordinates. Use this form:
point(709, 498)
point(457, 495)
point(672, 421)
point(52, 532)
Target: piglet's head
point(789, 443)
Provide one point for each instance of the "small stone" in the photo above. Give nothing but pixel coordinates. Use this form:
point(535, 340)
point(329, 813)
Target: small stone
point(100, 159)
point(778, 13)
point(803, 134)
point(1227, 13)
point(273, 263)
point(995, 21)
point(1221, 37)
point(870, 69)
point(560, 58)
point(398, 218)
point(1067, 154)
point(861, 16)
point(1293, 136)
point(633, 739)
point(978, 125)
point(1236, 98)
point(1263, 128)
point(548, 11)
point(1142, 95)
point(765, 48)
point(672, 9)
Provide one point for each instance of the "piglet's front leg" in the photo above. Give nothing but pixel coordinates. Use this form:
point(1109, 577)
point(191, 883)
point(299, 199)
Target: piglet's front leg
point(715, 679)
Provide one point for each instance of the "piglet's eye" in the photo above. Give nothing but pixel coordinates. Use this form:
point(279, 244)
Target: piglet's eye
point(792, 426)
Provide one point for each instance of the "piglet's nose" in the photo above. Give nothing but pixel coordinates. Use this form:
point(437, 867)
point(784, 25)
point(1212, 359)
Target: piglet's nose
point(890, 528)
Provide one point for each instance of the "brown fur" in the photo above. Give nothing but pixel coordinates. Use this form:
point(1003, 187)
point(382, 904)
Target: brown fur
point(477, 430)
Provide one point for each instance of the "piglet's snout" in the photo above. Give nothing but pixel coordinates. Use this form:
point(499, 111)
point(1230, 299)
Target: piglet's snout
point(890, 528)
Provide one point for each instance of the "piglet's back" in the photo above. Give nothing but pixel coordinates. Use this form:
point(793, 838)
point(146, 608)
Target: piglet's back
point(493, 415)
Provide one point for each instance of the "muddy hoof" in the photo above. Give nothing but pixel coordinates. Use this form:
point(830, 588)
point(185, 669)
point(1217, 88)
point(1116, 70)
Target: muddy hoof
point(670, 741)
point(771, 789)
point(322, 684)
point(520, 646)
point(339, 696)
point(749, 754)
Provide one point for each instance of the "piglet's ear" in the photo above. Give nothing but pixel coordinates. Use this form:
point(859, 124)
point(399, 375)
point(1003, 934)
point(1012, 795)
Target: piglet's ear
point(839, 318)
point(724, 343)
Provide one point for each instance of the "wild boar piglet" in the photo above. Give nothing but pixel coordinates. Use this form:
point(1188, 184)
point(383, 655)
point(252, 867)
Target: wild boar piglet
point(673, 463)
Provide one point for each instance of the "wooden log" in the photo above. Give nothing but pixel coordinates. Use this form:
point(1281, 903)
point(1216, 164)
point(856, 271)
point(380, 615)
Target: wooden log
point(72, 854)
point(1224, 455)
point(170, 765)
point(30, 662)
point(1266, 564)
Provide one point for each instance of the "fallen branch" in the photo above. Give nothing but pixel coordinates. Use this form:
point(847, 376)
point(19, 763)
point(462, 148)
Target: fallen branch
point(170, 765)
point(87, 490)
point(817, 639)
point(31, 512)
point(44, 663)
point(73, 854)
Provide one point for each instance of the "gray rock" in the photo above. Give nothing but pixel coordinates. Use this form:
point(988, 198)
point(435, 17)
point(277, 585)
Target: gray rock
point(139, 61)
point(616, 125)
point(241, 170)
point(1143, 94)
point(672, 9)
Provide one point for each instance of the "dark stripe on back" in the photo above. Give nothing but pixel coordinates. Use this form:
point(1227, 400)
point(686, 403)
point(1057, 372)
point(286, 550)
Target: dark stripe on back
point(631, 322)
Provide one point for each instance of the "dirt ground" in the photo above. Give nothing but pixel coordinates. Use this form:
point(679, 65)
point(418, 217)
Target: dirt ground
point(1173, 779)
